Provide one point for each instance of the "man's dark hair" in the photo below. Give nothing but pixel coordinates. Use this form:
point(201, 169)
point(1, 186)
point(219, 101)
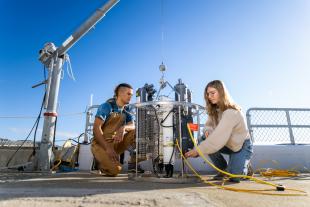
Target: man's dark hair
point(122, 85)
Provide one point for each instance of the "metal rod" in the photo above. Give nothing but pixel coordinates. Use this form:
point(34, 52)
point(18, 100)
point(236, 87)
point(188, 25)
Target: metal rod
point(248, 119)
point(198, 122)
point(175, 103)
point(180, 139)
point(290, 127)
point(87, 124)
point(39, 84)
point(84, 28)
point(48, 84)
point(137, 140)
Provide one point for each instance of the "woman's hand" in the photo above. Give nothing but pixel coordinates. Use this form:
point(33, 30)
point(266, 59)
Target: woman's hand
point(191, 153)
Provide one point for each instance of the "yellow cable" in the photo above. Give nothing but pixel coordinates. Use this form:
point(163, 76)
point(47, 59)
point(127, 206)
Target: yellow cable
point(270, 172)
point(233, 175)
point(55, 166)
point(254, 191)
point(278, 173)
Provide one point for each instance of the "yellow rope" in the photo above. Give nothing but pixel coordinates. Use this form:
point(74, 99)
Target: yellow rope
point(273, 172)
point(277, 173)
point(256, 191)
point(56, 165)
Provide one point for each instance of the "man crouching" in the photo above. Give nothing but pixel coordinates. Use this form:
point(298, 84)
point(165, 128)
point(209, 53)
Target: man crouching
point(114, 131)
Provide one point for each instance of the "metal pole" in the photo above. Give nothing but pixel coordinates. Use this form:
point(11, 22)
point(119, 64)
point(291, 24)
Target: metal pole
point(249, 125)
point(48, 84)
point(180, 138)
point(198, 122)
point(87, 125)
point(89, 115)
point(137, 140)
point(50, 117)
point(289, 125)
point(84, 28)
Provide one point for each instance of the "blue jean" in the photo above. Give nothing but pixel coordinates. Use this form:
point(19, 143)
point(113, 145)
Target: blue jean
point(238, 161)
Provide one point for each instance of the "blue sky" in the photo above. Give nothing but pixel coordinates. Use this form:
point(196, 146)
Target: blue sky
point(259, 48)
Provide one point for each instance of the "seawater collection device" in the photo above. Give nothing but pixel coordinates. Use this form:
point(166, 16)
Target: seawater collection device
point(161, 125)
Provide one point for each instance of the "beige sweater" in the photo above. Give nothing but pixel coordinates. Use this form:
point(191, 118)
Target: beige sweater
point(231, 132)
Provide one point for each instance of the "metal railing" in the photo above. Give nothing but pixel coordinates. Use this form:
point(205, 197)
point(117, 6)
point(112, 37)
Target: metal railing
point(88, 133)
point(279, 125)
point(91, 111)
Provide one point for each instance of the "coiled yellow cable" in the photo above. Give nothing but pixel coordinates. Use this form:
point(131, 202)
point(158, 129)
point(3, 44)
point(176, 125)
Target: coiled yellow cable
point(274, 172)
point(277, 173)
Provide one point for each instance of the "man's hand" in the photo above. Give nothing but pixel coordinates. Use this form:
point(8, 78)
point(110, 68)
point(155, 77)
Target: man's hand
point(191, 153)
point(119, 136)
point(112, 154)
point(206, 134)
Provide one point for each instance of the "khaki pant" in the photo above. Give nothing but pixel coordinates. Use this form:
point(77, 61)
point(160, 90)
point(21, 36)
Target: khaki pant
point(105, 164)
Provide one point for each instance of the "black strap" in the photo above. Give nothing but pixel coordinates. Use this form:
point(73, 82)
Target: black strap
point(112, 102)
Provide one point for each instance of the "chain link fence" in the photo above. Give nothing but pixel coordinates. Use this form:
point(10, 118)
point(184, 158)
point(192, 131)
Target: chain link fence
point(279, 125)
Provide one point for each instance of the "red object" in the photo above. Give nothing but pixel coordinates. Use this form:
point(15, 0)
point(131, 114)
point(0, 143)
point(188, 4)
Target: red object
point(50, 114)
point(193, 127)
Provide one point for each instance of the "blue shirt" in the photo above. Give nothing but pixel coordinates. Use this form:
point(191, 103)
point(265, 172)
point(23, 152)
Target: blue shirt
point(104, 111)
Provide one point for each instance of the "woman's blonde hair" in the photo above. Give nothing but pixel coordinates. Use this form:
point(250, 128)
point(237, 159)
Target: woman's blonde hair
point(225, 101)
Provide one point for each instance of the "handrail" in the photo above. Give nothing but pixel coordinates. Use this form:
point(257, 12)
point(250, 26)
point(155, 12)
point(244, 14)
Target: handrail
point(286, 121)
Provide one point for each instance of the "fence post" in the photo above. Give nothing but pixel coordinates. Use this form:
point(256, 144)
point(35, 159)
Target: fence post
point(289, 125)
point(248, 119)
